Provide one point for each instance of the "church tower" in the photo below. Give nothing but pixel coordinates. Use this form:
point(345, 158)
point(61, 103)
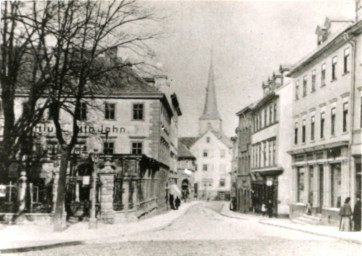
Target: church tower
point(210, 119)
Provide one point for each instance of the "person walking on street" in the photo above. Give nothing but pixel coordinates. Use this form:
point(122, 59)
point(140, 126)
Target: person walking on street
point(345, 212)
point(177, 203)
point(171, 198)
point(263, 209)
point(357, 215)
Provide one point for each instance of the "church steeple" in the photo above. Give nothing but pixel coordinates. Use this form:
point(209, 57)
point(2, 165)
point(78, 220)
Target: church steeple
point(210, 119)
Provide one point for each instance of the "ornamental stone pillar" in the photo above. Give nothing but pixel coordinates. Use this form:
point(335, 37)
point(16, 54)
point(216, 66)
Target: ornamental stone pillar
point(106, 176)
point(345, 181)
point(125, 194)
point(327, 185)
point(22, 192)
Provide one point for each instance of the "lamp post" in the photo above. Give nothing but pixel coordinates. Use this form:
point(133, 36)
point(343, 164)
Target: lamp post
point(93, 219)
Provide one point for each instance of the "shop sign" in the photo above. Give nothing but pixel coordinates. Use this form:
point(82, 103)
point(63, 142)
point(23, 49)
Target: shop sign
point(269, 182)
point(85, 180)
point(2, 191)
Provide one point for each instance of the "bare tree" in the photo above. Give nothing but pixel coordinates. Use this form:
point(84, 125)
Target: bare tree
point(80, 52)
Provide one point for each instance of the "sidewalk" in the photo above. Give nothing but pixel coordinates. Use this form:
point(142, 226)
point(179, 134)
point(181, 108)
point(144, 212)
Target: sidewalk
point(328, 231)
point(19, 238)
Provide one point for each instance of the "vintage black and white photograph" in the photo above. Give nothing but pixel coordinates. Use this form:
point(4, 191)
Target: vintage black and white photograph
point(181, 127)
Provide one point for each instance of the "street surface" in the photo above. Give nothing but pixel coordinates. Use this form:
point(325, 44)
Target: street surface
point(202, 231)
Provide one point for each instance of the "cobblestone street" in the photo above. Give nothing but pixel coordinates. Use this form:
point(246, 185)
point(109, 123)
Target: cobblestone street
point(203, 231)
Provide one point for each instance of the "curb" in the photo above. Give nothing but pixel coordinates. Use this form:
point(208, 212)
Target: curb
point(86, 241)
point(311, 232)
point(40, 247)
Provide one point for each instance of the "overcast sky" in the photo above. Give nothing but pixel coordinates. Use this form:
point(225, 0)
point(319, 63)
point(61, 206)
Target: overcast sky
point(250, 39)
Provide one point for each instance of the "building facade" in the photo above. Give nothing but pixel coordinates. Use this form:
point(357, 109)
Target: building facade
point(263, 141)
point(326, 146)
point(186, 167)
point(136, 124)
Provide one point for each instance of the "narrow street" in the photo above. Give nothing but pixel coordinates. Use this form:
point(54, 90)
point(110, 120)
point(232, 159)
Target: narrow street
point(203, 231)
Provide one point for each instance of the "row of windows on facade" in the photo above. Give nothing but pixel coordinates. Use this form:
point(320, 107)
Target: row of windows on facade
point(265, 117)
point(264, 153)
point(108, 148)
point(322, 121)
point(221, 183)
point(323, 75)
point(110, 111)
point(210, 167)
point(209, 153)
point(304, 196)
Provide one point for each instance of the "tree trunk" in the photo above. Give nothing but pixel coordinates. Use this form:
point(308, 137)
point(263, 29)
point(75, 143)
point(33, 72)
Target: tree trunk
point(59, 214)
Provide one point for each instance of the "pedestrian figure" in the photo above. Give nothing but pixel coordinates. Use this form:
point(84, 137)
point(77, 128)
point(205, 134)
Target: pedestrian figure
point(270, 208)
point(345, 212)
point(357, 215)
point(263, 209)
point(309, 209)
point(177, 203)
point(171, 198)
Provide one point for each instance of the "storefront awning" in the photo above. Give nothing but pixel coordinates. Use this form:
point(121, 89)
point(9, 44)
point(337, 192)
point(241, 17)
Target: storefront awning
point(273, 171)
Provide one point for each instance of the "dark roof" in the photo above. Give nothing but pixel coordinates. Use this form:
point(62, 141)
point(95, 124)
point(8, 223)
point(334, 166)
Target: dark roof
point(184, 152)
point(187, 141)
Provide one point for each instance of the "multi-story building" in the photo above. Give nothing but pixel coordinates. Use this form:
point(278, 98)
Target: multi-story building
point(327, 111)
point(212, 149)
point(263, 140)
point(137, 124)
point(243, 156)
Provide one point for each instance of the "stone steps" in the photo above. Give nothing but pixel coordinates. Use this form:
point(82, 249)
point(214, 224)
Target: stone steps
point(308, 219)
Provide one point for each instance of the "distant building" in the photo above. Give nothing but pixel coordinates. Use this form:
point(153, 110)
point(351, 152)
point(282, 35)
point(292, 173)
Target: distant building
point(212, 149)
point(186, 167)
point(327, 121)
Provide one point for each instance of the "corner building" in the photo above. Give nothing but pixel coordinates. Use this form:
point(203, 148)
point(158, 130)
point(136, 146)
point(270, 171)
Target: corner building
point(327, 111)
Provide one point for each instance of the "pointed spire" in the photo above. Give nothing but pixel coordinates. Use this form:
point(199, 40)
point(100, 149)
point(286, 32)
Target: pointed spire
point(210, 109)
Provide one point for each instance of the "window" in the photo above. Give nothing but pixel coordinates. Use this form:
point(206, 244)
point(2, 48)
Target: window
point(52, 148)
point(208, 139)
point(108, 148)
point(334, 67)
point(303, 131)
point(313, 80)
point(137, 148)
point(222, 153)
point(333, 120)
point(274, 151)
point(345, 116)
point(360, 111)
point(205, 153)
point(304, 86)
point(296, 133)
point(322, 124)
point(265, 117)
point(264, 153)
point(323, 75)
point(336, 179)
point(297, 90)
point(137, 111)
point(109, 111)
point(270, 114)
point(300, 181)
point(222, 183)
point(204, 167)
point(312, 125)
point(345, 61)
point(275, 112)
point(82, 112)
point(1, 109)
